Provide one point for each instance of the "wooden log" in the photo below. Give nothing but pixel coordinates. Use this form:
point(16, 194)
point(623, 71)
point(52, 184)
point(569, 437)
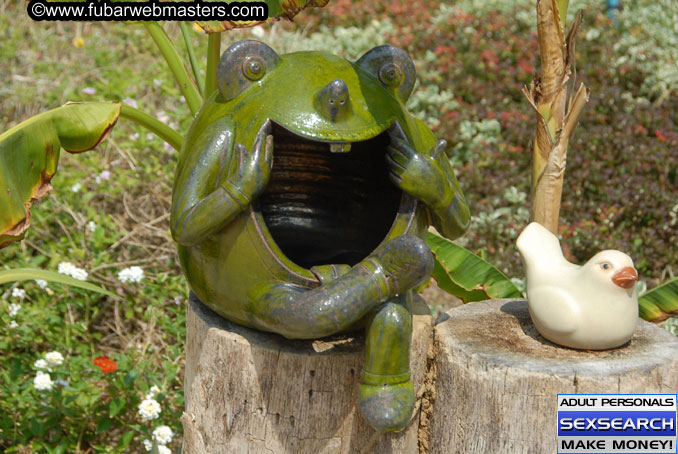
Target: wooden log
point(252, 392)
point(497, 378)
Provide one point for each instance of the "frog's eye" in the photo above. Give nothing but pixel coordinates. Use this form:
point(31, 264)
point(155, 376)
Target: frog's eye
point(393, 67)
point(253, 68)
point(391, 75)
point(242, 64)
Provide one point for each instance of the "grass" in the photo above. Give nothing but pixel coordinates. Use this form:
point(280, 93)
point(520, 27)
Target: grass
point(471, 68)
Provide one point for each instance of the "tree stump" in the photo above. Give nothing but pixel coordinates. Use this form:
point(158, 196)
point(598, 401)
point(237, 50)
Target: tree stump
point(252, 392)
point(497, 378)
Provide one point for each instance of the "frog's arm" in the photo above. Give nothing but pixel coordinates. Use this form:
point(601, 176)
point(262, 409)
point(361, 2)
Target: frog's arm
point(428, 176)
point(451, 216)
point(217, 181)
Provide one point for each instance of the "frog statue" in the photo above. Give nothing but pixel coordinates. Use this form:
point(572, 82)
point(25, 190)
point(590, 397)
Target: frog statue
point(302, 194)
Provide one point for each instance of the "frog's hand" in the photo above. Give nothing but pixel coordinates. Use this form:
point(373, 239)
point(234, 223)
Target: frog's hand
point(429, 178)
point(217, 181)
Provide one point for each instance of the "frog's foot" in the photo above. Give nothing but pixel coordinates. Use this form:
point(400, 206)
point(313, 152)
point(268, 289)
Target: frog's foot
point(387, 407)
point(401, 264)
point(386, 391)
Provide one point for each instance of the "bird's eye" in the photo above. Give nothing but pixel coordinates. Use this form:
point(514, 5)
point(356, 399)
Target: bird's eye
point(253, 68)
point(606, 266)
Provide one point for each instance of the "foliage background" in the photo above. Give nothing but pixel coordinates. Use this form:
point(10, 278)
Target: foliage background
point(473, 57)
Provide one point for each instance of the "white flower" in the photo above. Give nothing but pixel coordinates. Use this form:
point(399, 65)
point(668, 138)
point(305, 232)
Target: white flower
point(89, 90)
point(592, 34)
point(105, 175)
point(91, 226)
point(131, 274)
point(69, 269)
point(149, 136)
point(41, 283)
point(152, 392)
point(18, 293)
point(149, 409)
point(42, 381)
point(130, 102)
point(54, 358)
point(162, 116)
point(134, 137)
point(148, 444)
point(76, 187)
point(14, 309)
point(157, 82)
point(13, 324)
point(61, 382)
point(163, 435)
point(258, 32)
point(41, 364)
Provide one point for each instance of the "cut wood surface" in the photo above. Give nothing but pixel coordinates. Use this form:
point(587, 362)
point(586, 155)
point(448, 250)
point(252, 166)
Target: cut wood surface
point(252, 392)
point(497, 378)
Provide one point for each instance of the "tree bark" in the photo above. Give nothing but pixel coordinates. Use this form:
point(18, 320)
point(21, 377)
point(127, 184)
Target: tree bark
point(252, 392)
point(497, 378)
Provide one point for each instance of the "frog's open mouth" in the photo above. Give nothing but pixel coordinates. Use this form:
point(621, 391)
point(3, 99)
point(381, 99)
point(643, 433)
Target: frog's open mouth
point(323, 207)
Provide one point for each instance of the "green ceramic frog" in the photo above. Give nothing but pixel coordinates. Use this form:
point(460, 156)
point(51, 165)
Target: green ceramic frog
point(303, 191)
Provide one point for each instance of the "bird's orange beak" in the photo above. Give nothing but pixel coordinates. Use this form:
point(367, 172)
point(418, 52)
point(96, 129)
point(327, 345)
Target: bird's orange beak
point(625, 277)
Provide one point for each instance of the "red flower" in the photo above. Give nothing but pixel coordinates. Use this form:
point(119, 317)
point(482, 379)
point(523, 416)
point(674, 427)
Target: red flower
point(106, 365)
point(525, 66)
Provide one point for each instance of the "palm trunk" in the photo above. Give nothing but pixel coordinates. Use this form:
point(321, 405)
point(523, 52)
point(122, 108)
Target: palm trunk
point(557, 109)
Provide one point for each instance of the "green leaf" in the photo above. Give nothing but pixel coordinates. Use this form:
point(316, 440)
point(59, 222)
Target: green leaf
point(562, 10)
point(29, 153)
point(276, 9)
point(130, 377)
point(116, 406)
point(23, 274)
point(37, 428)
point(126, 439)
point(104, 424)
point(660, 303)
point(465, 275)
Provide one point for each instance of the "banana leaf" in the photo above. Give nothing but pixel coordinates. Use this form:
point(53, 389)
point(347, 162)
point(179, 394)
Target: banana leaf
point(24, 274)
point(276, 10)
point(465, 275)
point(660, 303)
point(29, 153)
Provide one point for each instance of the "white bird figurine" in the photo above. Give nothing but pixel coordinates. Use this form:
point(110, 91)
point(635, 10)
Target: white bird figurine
point(593, 307)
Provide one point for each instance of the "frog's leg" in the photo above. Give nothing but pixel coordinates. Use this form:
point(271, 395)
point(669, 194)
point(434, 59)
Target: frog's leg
point(386, 390)
point(299, 313)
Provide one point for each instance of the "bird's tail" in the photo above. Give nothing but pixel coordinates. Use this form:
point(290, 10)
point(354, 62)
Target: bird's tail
point(537, 245)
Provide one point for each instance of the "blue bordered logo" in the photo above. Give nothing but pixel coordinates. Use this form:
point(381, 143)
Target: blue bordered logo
point(617, 423)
